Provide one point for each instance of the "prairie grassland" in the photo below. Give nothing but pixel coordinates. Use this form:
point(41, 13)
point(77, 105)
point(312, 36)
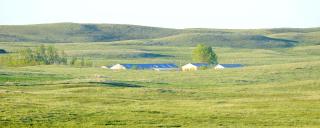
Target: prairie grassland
point(277, 88)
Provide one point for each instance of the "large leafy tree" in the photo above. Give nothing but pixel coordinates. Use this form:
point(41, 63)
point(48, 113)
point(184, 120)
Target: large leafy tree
point(205, 54)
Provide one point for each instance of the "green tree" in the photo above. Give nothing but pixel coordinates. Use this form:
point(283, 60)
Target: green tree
point(29, 55)
point(52, 56)
point(63, 58)
point(205, 54)
point(26, 57)
point(40, 55)
point(73, 60)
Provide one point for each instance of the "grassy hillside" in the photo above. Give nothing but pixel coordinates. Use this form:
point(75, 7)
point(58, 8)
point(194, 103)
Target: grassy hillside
point(308, 38)
point(223, 40)
point(71, 32)
point(141, 35)
point(276, 88)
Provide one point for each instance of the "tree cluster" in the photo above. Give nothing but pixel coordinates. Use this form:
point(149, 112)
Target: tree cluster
point(204, 54)
point(41, 55)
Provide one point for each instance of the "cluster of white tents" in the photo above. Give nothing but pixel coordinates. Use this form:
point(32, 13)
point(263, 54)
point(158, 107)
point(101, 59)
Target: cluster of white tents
point(197, 66)
point(168, 67)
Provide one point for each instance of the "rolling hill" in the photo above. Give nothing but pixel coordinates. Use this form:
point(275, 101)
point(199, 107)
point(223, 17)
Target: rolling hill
point(73, 32)
point(224, 40)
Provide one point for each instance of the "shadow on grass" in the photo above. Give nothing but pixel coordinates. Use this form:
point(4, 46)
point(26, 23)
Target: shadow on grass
point(118, 84)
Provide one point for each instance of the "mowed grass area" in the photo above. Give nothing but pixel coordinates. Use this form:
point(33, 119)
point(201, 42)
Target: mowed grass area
point(277, 88)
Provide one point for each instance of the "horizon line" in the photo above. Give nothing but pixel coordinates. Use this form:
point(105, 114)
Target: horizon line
point(158, 26)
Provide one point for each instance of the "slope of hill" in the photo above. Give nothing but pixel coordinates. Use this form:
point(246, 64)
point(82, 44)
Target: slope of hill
point(308, 38)
point(223, 40)
point(71, 32)
point(242, 38)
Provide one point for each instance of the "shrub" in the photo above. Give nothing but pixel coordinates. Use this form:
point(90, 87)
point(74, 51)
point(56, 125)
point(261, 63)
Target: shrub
point(203, 68)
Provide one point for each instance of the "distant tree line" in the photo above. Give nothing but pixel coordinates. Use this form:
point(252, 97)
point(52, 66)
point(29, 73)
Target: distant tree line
point(41, 55)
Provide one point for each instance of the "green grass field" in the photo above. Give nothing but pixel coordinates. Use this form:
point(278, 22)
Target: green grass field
point(276, 88)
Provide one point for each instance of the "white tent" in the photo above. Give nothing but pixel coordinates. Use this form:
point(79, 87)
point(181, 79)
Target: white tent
point(118, 67)
point(218, 67)
point(193, 66)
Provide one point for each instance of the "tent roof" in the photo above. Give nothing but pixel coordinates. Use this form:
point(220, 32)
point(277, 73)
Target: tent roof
point(231, 65)
point(200, 64)
point(149, 66)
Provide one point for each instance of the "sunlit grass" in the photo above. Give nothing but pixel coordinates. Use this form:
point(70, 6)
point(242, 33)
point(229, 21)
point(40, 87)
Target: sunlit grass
point(276, 88)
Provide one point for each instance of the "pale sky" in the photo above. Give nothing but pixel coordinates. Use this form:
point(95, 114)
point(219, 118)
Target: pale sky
point(166, 13)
